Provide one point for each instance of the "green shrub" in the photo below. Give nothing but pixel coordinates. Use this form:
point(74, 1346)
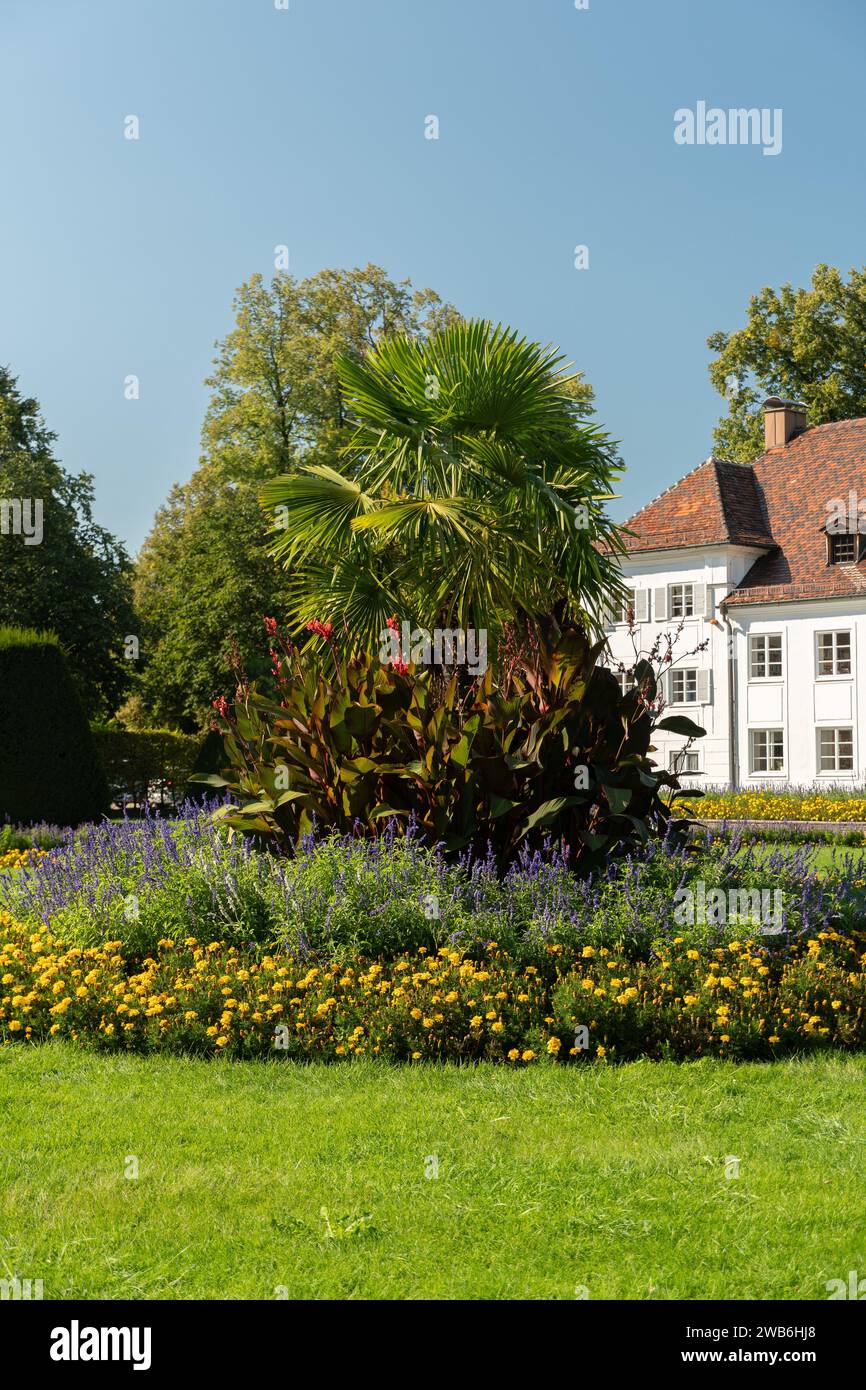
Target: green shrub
point(50, 771)
point(139, 762)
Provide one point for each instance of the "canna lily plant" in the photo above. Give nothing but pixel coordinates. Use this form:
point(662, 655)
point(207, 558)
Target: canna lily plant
point(552, 746)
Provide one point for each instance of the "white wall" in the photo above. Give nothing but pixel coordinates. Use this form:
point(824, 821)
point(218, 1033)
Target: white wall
point(718, 568)
point(799, 702)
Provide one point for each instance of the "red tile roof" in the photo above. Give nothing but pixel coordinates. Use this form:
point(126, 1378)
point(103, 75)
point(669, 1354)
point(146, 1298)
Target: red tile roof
point(778, 503)
point(715, 503)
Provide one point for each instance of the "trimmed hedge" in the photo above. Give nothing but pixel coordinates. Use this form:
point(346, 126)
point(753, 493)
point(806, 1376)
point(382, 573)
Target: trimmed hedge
point(138, 762)
point(49, 769)
point(210, 759)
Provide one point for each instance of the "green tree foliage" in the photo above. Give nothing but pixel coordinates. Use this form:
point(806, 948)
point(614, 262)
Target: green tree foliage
point(77, 580)
point(205, 576)
point(471, 492)
point(204, 580)
point(50, 769)
point(802, 344)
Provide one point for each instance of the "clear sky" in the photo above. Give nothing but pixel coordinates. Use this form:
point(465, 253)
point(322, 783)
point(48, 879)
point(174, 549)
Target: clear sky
point(261, 126)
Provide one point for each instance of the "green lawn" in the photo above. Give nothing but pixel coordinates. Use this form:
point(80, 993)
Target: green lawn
point(851, 857)
point(549, 1178)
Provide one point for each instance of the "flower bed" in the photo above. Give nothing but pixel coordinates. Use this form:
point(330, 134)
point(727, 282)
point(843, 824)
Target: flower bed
point(167, 935)
point(746, 999)
point(767, 805)
point(341, 897)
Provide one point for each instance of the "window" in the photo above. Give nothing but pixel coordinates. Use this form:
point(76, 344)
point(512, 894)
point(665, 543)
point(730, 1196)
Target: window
point(684, 687)
point(843, 549)
point(834, 653)
point(765, 656)
point(624, 677)
point(684, 761)
point(682, 600)
point(767, 750)
point(628, 606)
point(835, 750)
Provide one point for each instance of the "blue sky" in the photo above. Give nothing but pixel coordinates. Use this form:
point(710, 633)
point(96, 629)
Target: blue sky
point(261, 126)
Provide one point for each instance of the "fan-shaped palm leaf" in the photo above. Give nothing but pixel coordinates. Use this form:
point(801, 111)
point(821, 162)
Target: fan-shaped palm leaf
point(471, 490)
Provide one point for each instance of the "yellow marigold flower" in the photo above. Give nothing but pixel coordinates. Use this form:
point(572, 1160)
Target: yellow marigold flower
point(212, 1031)
point(514, 1055)
point(476, 1021)
point(528, 1055)
point(497, 1027)
point(588, 952)
point(553, 1046)
point(693, 955)
point(600, 1051)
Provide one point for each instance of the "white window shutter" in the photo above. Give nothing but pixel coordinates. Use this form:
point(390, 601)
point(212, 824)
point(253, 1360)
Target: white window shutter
point(709, 603)
point(608, 614)
point(704, 687)
point(700, 599)
point(641, 606)
point(660, 604)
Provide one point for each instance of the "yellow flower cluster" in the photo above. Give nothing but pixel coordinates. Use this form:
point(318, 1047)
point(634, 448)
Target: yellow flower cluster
point(17, 858)
point(744, 999)
point(780, 806)
point(208, 997)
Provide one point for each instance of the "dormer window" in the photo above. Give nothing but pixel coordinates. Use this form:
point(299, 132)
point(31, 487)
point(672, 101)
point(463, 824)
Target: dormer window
point(843, 548)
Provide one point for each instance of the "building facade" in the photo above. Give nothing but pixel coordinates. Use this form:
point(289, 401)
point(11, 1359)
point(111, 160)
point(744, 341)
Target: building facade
point(761, 568)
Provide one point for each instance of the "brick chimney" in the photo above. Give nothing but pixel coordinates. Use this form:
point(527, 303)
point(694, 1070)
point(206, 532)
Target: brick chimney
point(783, 420)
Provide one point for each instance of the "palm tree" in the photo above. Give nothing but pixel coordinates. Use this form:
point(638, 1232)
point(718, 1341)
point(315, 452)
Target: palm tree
point(472, 493)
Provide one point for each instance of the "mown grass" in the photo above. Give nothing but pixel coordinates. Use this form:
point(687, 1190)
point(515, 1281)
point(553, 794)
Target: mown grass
point(824, 858)
point(548, 1179)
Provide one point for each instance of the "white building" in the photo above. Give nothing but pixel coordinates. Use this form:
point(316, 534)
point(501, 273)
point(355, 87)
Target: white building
point(766, 563)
